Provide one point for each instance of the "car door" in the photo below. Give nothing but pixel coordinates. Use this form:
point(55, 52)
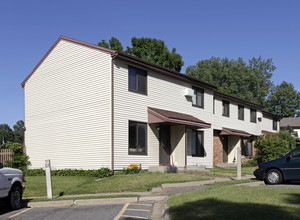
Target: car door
point(3, 184)
point(292, 166)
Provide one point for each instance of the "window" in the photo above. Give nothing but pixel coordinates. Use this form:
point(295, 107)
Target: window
point(241, 112)
point(295, 153)
point(252, 115)
point(247, 148)
point(137, 138)
point(275, 124)
point(197, 147)
point(198, 98)
point(137, 80)
point(225, 108)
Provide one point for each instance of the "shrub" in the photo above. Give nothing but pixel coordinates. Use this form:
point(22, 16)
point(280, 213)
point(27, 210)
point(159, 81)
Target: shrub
point(19, 159)
point(132, 168)
point(172, 169)
point(250, 163)
point(35, 172)
point(103, 172)
point(271, 146)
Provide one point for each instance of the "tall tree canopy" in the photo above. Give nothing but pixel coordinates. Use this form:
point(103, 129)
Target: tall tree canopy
point(19, 132)
point(113, 44)
point(250, 81)
point(9, 135)
point(150, 49)
point(6, 133)
point(284, 100)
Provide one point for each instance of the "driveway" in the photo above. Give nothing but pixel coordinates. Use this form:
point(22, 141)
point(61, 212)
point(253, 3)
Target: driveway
point(103, 212)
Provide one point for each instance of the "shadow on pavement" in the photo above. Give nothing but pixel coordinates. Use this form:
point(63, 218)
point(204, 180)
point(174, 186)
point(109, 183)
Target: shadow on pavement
point(217, 209)
point(5, 208)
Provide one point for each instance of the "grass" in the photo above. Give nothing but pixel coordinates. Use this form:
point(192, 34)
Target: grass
point(83, 197)
point(231, 182)
point(228, 171)
point(236, 202)
point(73, 185)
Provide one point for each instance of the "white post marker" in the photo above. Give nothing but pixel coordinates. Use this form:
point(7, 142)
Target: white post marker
point(48, 179)
point(239, 164)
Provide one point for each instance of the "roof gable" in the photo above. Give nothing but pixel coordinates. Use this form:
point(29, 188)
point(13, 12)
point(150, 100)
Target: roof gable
point(112, 52)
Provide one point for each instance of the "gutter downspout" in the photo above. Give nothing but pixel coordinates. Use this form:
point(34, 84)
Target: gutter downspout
point(112, 110)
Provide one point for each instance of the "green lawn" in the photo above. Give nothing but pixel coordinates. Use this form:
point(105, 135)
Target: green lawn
point(236, 202)
point(231, 182)
point(229, 171)
point(72, 185)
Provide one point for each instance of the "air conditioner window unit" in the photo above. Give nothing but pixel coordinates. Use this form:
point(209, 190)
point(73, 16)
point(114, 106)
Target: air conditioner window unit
point(188, 92)
point(259, 115)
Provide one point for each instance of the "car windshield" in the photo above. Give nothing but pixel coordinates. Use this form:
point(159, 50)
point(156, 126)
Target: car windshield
point(297, 147)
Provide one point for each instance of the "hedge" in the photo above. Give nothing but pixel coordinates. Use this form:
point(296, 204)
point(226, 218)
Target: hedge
point(103, 172)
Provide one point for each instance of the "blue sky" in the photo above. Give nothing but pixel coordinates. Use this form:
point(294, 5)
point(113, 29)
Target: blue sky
point(197, 29)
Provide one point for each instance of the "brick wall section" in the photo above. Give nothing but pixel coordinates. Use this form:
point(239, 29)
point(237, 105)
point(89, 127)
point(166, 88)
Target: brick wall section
point(218, 149)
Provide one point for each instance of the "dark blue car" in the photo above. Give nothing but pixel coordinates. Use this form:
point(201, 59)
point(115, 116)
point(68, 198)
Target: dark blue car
point(282, 169)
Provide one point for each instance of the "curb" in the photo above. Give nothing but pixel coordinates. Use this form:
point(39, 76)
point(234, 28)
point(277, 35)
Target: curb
point(87, 202)
point(161, 210)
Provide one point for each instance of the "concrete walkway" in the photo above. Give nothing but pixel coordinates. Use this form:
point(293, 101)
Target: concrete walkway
point(158, 195)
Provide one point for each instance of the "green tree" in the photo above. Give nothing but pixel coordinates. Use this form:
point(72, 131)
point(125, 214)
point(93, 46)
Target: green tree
point(113, 44)
point(19, 132)
point(250, 81)
point(155, 51)
point(6, 133)
point(150, 49)
point(19, 159)
point(273, 145)
point(284, 100)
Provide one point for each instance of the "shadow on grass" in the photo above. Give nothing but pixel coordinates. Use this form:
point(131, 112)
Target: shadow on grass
point(293, 199)
point(216, 209)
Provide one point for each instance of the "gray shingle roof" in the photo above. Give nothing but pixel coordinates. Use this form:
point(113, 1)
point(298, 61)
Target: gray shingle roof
point(292, 122)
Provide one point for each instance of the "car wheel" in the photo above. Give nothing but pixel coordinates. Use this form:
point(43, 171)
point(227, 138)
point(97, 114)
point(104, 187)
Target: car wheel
point(15, 197)
point(273, 177)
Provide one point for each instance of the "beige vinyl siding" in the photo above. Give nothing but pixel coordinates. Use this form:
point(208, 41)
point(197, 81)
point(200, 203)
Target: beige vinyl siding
point(67, 109)
point(233, 143)
point(178, 145)
point(267, 124)
point(164, 93)
point(232, 121)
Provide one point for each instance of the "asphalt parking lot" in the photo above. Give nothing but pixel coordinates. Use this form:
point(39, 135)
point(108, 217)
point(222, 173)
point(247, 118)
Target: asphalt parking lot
point(104, 212)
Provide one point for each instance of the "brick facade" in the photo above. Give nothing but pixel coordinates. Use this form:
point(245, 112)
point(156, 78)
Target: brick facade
point(218, 149)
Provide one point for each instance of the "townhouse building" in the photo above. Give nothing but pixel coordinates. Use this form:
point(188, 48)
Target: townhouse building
point(89, 107)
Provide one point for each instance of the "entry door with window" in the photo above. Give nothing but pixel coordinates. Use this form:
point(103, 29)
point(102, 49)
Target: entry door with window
point(164, 145)
point(225, 149)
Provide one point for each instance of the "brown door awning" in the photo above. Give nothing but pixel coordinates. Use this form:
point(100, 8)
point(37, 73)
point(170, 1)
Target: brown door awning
point(163, 116)
point(234, 132)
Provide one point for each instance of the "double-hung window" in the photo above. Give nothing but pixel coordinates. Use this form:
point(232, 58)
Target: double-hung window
point(275, 124)
point(197, 144)
point(198, 97)
point(241, 112)
point(137, 80)
point(225, 108)
point(252, 115)
point(137, 138)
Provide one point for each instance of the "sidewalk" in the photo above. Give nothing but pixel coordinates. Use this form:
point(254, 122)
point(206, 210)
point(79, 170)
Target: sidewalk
point(157, 195)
